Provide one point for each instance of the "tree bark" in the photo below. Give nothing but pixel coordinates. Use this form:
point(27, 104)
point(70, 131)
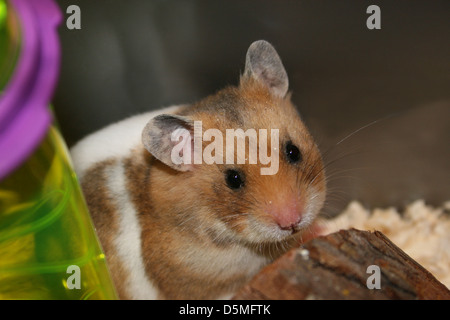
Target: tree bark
point(336, 267)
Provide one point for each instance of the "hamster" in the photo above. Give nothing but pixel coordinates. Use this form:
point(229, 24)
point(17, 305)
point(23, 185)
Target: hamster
point(197, 230)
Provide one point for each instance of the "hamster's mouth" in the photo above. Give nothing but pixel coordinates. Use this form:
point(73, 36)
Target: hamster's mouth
point(292, 231)
point(274, 233)
point(304, 223)
point(301, 227)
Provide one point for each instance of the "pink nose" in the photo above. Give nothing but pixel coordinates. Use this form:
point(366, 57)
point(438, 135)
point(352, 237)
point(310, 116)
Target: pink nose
point(288, 220)
point(287, 217)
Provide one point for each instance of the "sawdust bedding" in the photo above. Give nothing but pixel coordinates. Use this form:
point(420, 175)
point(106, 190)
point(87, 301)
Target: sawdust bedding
point(422, 231)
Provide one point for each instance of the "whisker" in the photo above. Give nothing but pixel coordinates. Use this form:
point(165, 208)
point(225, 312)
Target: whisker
point(366, 126)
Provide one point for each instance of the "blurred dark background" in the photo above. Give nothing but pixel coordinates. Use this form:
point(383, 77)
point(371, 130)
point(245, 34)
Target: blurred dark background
point(389, 87)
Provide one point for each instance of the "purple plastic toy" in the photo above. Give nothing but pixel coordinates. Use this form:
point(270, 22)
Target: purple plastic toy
point(24, 113)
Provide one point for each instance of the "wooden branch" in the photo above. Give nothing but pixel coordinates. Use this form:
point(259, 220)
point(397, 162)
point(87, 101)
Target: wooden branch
point(335, 267)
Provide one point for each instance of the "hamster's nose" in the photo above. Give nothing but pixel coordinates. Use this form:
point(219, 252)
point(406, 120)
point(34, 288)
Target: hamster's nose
point(286, 212)
point(290, 226)
point(287, 217)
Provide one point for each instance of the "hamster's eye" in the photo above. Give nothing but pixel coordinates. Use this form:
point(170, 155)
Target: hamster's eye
point(234, 179)
point(293, 153)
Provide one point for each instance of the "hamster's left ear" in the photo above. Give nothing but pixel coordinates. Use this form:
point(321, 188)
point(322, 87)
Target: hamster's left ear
point(263, 64)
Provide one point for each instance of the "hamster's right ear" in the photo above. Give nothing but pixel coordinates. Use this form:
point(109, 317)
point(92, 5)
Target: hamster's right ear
point(264, 64)
point(170, 139)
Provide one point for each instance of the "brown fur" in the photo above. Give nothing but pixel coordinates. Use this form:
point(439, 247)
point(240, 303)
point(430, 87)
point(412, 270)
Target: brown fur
point(104, 216)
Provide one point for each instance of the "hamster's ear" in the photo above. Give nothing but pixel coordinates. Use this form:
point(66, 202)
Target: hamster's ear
point(264, 64)
point(170, 139)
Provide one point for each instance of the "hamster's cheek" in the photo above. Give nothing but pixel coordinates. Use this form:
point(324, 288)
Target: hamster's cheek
point(315, 200)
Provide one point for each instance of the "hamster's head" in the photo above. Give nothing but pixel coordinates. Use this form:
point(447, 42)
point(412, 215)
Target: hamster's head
point(242, 160)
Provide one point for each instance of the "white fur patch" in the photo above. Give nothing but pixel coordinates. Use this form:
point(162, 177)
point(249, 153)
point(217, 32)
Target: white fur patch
point(128, 240)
